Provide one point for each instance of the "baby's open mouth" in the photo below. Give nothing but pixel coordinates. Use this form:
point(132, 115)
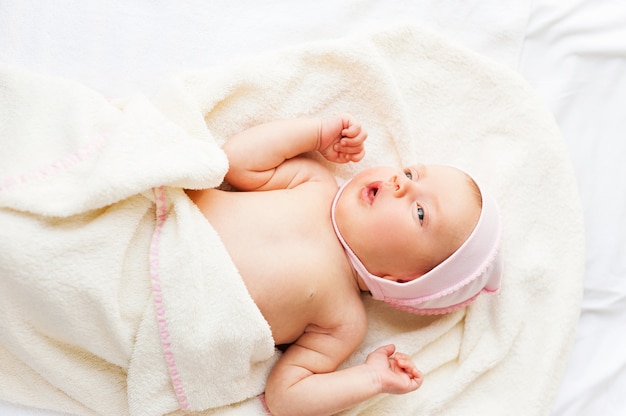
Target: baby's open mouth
point(368, 194)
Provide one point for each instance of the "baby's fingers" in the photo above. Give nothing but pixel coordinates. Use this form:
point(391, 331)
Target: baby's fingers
point(354, 134)
point(352, 130)
point(348, 146)
point(349, 152)
point(404, 362)
point(356, 157)
point(354, 153)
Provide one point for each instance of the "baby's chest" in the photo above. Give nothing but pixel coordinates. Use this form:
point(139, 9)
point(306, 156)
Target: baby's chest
point(293, 288)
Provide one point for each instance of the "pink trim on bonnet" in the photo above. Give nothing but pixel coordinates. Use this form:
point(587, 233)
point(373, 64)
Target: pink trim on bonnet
point(475, 267)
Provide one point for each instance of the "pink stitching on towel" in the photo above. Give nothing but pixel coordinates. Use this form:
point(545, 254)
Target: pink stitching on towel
point(161, 216)
point(57, 166)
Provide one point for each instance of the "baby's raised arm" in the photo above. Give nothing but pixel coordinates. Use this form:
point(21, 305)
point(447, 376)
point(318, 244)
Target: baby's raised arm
point(266, 156)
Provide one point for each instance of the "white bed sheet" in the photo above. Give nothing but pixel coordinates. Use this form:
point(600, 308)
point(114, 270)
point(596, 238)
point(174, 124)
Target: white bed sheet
point(120, 47)
point(572, 51)
point(575, 56)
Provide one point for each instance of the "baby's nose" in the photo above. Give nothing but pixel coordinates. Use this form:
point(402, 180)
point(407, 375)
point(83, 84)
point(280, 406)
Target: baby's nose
point(398, 185)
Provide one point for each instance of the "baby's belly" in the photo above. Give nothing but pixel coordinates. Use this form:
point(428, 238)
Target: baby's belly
point(277, 246)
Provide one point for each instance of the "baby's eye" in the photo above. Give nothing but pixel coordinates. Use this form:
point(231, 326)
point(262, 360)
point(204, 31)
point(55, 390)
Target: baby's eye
point(420, 213)
point(408, 174)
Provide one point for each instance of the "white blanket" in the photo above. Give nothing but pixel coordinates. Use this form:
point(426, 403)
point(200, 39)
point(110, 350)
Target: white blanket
point(424, 99)
point(117, 296)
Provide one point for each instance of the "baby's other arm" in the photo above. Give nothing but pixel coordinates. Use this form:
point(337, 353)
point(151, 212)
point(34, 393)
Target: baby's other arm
point(265, 156)
point(305, 380)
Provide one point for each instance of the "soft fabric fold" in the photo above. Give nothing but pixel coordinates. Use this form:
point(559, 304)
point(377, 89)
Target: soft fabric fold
point(118, 296)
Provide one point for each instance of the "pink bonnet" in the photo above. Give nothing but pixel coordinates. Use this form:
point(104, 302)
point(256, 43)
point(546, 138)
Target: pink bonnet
point(474, 267)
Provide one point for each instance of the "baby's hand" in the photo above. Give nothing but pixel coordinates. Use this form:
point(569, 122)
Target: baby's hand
point(396, 372)
point(341, 139)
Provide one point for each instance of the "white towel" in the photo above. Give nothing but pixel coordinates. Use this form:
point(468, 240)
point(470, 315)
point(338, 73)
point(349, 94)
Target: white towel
point(117, 296)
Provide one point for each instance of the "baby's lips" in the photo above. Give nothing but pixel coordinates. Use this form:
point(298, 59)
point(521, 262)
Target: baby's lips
point(369, 192)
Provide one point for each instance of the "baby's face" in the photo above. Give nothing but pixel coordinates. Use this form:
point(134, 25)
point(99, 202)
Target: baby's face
point(402, 223)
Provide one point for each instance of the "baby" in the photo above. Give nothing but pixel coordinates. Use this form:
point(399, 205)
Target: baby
point(424, 239)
